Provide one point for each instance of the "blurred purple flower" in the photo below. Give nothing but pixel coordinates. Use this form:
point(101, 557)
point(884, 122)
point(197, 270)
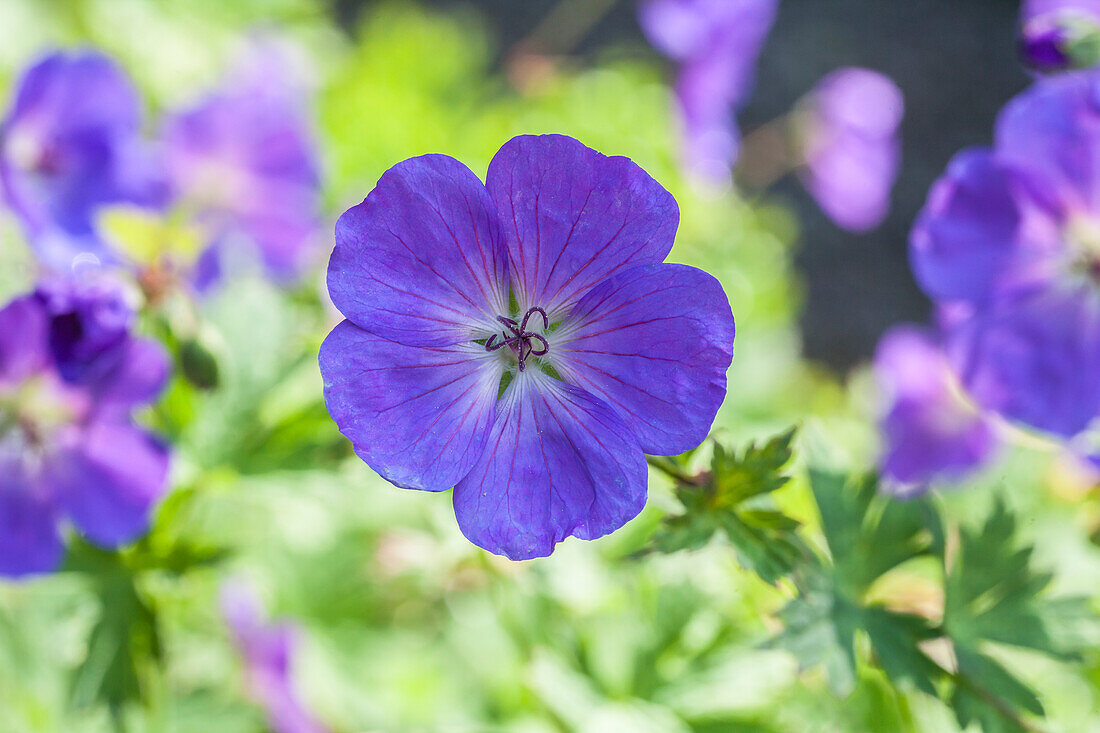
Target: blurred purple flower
point(521, 339)
point(70, 375)
point(1010, 239)
point(269, 651)
point(849, 140)
point(715, 43)
point(930, 429)
point(70, 144)
point(1050, 30)
point(243, 162)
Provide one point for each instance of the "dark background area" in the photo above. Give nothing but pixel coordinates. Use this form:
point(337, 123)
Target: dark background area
point(955, 61)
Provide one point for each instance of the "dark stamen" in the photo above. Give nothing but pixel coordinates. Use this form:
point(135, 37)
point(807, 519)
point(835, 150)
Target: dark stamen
point(541, 312)
point(521, 338)
point(545, 344)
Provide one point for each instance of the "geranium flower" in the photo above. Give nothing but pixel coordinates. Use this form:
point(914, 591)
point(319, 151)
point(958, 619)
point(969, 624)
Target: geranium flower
point(929, 427)
point(69, 145)
point(243, 163)
point(1058, 34)
point(848, 136)
point(715, 43)
point(521, 339)
point(1010, 238)
point(269, 650)
point(70, 375)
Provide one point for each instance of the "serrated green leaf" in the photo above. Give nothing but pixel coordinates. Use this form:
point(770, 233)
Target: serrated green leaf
point(993, 594)
point(869, 533)
point(757, 471)
point(821, 626)
point(770, 552)
point(895, 638)
point(733, 498)
point(683, 533)
point(987, 693)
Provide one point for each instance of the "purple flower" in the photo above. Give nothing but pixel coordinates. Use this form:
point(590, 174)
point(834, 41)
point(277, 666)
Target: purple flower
point(1010, 239)
point(716, 43)
point(1051, 30)
point(70, 374)
point(522, 340)
point(851, 152)
point(70, 144)
point(244, 164)
point(268, 650)
point(930, 428)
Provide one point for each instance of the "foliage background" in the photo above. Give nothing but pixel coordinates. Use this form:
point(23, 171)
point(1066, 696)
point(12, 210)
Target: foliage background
point(408, 626)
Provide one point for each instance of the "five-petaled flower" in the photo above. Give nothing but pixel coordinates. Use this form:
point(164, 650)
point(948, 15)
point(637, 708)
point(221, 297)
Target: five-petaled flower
point(522, 340)
point(244, 164)
point(69, 145)
point(1009, 243)
point(70, 375)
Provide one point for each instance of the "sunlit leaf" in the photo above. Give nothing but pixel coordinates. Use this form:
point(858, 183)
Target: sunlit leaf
point(993, 594)
point(867, 534)
point(733, 499)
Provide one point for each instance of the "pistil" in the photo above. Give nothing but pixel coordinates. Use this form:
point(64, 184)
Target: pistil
point(520, 340)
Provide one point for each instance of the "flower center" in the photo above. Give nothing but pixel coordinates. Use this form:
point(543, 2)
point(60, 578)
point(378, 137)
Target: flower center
point(217, 183)
point(35, 409)
point(1083, 235)
point(521, 341)
point(30, 153)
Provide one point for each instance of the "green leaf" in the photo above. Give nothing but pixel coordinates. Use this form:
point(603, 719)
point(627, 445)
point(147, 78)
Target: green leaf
point(820, 630)
point(124, 642)
point(821, 627)
point(684, 532)
point(733, 498)
point(970, 707)
point(771, 552)
point(986, 693)
point(996, 680)
point(868, 534)
point(895, 638)
point(124, 645)
point(994, 595)
point(758, 470)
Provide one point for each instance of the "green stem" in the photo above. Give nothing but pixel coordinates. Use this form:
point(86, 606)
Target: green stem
point(565, 26)
point(670, 468)
point(117, 722)
point(766, 155)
